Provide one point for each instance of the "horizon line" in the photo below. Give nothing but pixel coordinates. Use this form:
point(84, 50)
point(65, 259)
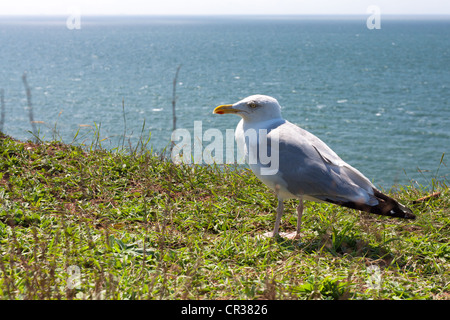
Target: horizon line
point(221, 14)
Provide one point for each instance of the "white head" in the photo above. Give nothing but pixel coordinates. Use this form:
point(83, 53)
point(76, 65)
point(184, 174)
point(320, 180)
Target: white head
point(255, 108)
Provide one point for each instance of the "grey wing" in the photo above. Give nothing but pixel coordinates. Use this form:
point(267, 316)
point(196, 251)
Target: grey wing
point(309, 167)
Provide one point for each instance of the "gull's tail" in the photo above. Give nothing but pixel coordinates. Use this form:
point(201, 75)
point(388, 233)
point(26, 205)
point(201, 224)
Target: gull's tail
point(386, 206)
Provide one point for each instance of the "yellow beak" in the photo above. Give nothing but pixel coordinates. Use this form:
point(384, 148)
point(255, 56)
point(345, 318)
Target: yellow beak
point(226, 108)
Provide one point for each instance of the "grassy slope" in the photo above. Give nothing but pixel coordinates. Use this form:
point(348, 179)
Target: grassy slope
point(138, 227)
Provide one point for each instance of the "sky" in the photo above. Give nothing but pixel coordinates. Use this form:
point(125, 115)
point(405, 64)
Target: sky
point(210, 7)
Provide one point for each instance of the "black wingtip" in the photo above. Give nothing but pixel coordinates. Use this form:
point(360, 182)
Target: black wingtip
point(386, 206)
point(409, 216)
point(390, 207)
point(400, 212)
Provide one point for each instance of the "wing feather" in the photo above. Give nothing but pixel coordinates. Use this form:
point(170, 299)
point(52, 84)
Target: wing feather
point(309, 167)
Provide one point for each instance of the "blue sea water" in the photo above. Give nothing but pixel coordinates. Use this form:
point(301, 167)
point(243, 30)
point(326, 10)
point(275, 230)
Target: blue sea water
point(379, 98)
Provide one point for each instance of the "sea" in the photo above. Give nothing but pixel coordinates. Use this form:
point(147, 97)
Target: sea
point(378, 96)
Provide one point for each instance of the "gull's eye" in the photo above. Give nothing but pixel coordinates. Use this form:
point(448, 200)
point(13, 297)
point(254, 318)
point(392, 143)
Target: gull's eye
point(252, 105)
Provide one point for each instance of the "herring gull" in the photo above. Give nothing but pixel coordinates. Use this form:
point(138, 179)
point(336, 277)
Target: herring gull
point(305, 167)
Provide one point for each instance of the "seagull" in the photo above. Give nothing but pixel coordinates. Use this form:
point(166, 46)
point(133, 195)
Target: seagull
point(301, 165)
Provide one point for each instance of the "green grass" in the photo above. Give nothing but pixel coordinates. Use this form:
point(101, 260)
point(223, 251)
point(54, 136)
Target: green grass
point(136, 226)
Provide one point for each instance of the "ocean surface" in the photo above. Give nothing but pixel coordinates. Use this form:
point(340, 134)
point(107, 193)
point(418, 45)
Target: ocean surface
point(379, 97)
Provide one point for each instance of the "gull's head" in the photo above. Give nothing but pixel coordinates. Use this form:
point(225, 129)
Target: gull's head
point(255, 108)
